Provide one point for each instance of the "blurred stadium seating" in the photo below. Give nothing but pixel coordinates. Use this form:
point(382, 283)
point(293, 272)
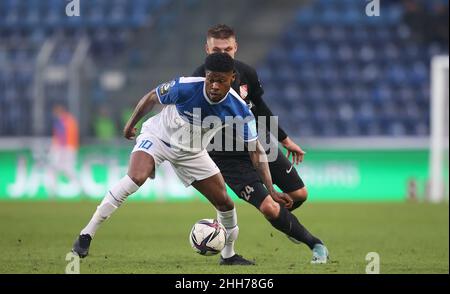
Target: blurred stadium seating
point(355, 75)
point(26, 25)
point(333, 72)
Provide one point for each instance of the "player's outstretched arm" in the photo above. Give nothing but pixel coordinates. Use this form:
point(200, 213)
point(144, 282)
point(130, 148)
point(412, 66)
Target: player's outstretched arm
point(260, 162)
point(144, 106)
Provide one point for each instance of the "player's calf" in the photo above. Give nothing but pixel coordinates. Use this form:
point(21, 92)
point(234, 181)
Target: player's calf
point(288, 223)
point(269, 208)
point(229, 220)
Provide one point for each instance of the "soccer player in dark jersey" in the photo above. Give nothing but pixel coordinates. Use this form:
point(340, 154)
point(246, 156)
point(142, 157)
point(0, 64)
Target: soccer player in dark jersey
point(236, 166)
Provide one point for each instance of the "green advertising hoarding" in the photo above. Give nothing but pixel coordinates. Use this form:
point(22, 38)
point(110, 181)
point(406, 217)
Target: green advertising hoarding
point(339, 175)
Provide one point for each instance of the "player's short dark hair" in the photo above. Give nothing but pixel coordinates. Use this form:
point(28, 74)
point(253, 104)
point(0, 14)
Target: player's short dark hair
point(221, 31)
point(220, 62)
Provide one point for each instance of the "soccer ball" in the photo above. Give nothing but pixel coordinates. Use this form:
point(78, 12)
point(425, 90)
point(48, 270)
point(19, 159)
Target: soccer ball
point(208, 237)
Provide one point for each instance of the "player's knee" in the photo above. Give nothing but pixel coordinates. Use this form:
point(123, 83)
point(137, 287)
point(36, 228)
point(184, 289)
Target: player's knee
point(138, 178)
point(269, 208)
point(223, 202)
point(300, 195)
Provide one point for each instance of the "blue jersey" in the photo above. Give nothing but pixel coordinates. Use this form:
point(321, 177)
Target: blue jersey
point(191, 119)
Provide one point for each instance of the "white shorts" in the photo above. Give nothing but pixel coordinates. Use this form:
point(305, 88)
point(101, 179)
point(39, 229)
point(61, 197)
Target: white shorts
point(188, 166)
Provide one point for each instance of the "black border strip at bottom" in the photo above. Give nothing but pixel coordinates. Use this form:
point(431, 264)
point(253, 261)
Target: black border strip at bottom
point(208, 283)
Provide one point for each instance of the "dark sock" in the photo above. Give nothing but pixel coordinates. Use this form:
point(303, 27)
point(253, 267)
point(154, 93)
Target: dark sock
point(289, 224)
point(296, 205)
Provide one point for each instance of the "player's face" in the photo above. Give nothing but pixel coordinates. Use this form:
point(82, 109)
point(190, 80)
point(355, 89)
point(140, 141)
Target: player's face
point(217, 84)
point(228, 46)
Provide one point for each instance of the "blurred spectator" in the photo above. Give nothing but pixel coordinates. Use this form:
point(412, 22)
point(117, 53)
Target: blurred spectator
point(65, 143)
point(439, 23)
point(104, 126)
point(428, 21)
point(417, 19)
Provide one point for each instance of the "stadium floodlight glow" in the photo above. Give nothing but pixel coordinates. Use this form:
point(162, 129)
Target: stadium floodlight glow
point(439, 136)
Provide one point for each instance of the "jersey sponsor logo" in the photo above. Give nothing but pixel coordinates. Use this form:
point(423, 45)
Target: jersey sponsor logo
point(243, 89)
point(164, 89)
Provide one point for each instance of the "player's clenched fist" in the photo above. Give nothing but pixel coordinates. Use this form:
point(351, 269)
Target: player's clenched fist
point(129, 132)
point(283, 199)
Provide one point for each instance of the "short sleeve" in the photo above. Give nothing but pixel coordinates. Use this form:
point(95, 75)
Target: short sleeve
point(249, 132)
point(246, 122)
point(168, 93)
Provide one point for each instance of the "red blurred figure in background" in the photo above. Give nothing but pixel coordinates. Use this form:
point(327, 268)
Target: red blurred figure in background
point(64, 148)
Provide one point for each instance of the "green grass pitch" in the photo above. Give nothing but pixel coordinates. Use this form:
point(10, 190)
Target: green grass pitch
point(153, 238)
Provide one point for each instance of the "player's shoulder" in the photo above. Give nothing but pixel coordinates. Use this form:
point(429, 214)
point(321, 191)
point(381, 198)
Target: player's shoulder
point(183, 87)
point(199, 71)
point(190, 80)
point(243, 67)
point(182, 81)
point(236, 99)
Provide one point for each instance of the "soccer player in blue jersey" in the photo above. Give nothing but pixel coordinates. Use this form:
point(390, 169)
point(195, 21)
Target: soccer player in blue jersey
point(195, 109)
point(236, 167)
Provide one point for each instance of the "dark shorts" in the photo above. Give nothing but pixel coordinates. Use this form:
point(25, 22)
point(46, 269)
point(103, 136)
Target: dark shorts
point(284, 174)
point(242, 178)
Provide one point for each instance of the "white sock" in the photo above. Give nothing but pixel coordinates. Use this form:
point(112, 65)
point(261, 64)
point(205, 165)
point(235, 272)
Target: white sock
point(113, 199)
point(229, 221)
